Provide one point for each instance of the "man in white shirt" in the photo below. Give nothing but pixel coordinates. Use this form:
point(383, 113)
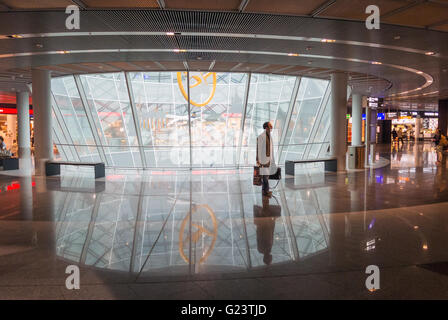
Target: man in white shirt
point(265, 157)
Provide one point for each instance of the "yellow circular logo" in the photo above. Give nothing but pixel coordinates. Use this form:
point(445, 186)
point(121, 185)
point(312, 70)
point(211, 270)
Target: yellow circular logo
point(198, 231)
point(199, 80)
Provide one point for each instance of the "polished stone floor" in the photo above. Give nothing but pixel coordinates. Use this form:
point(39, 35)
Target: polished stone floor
point(209, 234)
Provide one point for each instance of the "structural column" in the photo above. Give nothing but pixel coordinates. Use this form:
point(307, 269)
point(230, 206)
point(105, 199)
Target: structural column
point(43, 139)
point(23, 122)
point(356, 119)
point(418, 128)
point(443, 115)
point(338, 122)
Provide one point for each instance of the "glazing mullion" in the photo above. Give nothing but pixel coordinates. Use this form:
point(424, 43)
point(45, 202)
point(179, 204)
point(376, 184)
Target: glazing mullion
point(87, 111)
point(58, 143)
point(243, 121)
point(64, 128)
point(75, 116)
point(189, 121)
point(150, 126)
point(136, 119)
point(291, 107)
point(98, 121)
point(124, 121)
point(320, 112)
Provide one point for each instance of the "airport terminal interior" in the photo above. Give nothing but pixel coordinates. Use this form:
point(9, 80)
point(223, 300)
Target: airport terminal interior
point(130, 135)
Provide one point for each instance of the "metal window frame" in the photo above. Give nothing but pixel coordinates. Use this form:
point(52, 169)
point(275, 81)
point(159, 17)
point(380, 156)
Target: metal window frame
point(136, 119)
point(320, 111)
point(89, 116)
point(243, 120)
point(291, 107)
point(64, 129)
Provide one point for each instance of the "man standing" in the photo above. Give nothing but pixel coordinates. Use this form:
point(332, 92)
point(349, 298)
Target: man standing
point(265, 157)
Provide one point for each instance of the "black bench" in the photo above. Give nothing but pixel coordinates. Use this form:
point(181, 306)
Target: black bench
point(53, 168)
point(331, 164)
point(9, 163)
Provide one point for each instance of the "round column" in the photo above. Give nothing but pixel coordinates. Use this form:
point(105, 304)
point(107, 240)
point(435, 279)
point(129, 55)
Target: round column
point(418, 127)
point(23, 121)
point(43, 126)
point(338, 124)
point(356, 119)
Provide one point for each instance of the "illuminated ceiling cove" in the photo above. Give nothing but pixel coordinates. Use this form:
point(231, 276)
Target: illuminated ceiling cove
point(187, 119)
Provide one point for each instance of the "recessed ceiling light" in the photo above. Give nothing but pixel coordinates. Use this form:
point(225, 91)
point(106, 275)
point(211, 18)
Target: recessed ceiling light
point(293, 54)
point(430, 53)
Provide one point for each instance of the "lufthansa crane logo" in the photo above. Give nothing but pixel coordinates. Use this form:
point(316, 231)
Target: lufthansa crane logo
point(203, 231)
point(200, 82)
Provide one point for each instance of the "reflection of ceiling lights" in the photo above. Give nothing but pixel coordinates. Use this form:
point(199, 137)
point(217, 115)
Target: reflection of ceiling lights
point(179, 50)
point(376, 62)
point(170, 33)
point(293, 54)
point(16, 36)
point(63, 51)
point(328, 40)
point(430, 53)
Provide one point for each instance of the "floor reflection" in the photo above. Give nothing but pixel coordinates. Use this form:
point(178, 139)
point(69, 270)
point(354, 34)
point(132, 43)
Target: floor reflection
point(203, 225)
point(214, 222)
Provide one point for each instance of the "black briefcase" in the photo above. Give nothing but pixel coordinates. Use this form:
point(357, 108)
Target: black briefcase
point(277, 175)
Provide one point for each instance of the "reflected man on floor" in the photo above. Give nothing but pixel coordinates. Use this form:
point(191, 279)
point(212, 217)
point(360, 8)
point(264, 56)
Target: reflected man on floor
point(264, 220)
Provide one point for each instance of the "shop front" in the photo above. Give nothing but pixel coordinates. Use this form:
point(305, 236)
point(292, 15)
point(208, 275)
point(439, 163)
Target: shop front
point(8, 126)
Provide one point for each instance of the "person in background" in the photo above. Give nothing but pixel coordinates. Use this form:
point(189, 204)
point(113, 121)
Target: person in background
point(394, 134)
point(400, 136)
point(436, 137)
point(2, 144)
point(440, 148)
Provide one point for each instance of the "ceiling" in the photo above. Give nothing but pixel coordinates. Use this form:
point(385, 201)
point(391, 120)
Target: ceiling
point(430, 14)
point(308, 38)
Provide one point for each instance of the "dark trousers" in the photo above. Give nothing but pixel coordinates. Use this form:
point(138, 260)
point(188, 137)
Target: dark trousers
point(265, 184)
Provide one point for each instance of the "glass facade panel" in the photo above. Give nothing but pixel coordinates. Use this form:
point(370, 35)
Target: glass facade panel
point(269, 99)
point(155, 119)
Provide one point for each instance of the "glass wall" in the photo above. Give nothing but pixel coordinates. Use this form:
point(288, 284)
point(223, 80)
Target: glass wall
point(187, 119)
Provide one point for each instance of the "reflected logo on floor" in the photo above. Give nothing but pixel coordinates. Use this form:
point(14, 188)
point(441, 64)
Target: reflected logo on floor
point(198, 231)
